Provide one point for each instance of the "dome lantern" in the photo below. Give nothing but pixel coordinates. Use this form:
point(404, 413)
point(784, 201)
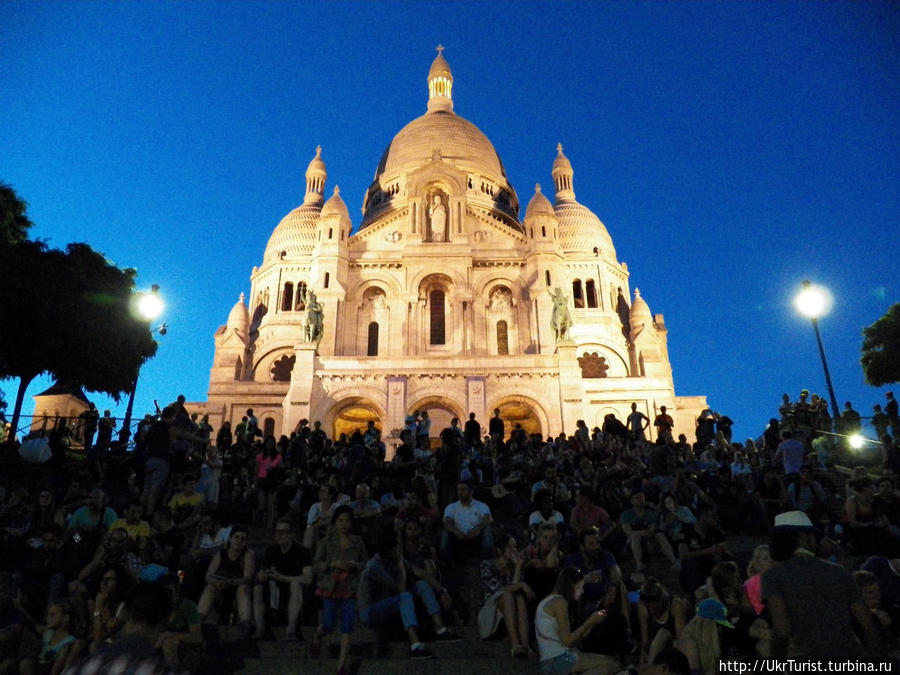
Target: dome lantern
point(315, 179)
point(563, 176)
point(440, 84)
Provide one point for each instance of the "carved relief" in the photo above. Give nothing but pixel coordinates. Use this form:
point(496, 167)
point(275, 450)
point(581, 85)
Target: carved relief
point(282, 368)
point(592, 365)
point(500, 299)
point(437, 217)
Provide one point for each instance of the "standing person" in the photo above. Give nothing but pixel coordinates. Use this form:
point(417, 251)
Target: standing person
point(892, 410)
point(286, 568)
point(268, 459)
point(813, 603)
point(472, 432)
point(637, 422)
point(664, 425)
point(496, 429)
point(224, 439)
point(556, 639)
point(423, 430)
point(90, 418)
point(339, 560)
point(790, 454)
point(880, 421)
point(250, 431)
point(105, 426)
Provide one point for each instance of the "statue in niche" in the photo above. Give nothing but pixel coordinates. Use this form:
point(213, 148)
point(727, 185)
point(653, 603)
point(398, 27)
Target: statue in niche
point(376, 301)
point(437, 214)
point(501, 299)
point(560, 319)
point(315, 320)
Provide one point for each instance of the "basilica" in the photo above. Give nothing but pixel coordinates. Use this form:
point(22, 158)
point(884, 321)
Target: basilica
point(444, 298)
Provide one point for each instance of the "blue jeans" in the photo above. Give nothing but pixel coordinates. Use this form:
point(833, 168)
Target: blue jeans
point(329, 614)
point(385, 609)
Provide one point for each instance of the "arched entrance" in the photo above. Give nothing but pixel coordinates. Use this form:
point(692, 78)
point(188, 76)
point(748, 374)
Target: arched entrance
point(354, 414)
point(518, 410)
point(440, 410)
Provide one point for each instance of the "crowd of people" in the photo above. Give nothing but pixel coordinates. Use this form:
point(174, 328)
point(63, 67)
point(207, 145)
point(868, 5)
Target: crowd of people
point(601, 551)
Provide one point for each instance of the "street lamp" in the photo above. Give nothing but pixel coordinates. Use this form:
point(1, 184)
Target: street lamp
point(148, 306)
point(812, 302)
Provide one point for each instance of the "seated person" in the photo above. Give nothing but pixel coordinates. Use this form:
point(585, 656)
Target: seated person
point(366, 512)
point(285, 569)
point(106, 607)
point(382, 595)
point(702, 547)
point(421, 561)
point(661, 617)
point(230, 575)
point(641, 526)
point(181, 639)
point(114, 550)
point(466, 521)
point(867, 583)
point(544, 514)
point(132, 523)
point(506, 596)
point(318, 518)
point(417, 508)
point(598, 566)
point(551, 482)
point(166, 538)
point(186, 504)
point(542, 561)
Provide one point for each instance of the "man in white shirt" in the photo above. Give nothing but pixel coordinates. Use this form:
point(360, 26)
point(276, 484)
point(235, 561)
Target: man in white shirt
point(467, 523)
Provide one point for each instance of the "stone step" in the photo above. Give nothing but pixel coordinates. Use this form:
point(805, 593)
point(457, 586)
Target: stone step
point(394, 666)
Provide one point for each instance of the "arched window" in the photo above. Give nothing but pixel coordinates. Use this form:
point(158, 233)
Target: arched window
point(327, 279)
point(268, 427)
point(436, 303)
point(543, 231)
point(590, 289)
point(372, 349)
point(300, 304)
point(502, 339)
point(577, 295)
point(287, 298)
point(547, 277)
point(238, 369)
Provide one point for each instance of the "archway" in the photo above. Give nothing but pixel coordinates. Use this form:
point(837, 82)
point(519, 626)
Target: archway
point(354, 414)
point(517, 409)
point(440, 410)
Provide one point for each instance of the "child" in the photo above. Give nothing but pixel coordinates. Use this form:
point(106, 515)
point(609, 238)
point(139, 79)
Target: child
point(58, 645)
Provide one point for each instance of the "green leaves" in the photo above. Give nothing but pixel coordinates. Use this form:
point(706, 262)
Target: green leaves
point(881, 349)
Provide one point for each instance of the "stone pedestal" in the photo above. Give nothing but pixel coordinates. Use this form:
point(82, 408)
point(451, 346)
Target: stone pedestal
point(296, 404)
point(569, 385)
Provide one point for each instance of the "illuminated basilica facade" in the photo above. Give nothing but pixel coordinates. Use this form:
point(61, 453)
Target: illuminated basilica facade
point(441, 300)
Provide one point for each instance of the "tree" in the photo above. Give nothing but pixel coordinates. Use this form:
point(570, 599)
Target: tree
point(14, 224)
point(881, 349)
point(67, 313)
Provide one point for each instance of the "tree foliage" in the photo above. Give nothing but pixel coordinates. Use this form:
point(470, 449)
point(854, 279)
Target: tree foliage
point(67, 313)
point(14, 223)
point(881, 349)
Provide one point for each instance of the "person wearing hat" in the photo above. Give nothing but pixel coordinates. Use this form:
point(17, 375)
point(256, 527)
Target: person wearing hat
point(812, 602)
point(700, 641)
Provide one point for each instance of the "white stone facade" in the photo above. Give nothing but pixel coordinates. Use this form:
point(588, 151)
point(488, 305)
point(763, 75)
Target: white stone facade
point(441, 300)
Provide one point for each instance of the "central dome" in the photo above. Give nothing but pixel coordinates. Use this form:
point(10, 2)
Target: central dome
point(459, 141)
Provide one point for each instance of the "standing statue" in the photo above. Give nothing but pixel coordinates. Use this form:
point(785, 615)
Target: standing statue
point(315, 315)
point(438, 215)
point(560, 320)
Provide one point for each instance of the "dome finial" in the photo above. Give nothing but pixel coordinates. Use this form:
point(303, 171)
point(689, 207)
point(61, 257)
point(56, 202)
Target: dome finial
point(337, 191)
point(318, 152)
point(562, 176)
point(440, 84)
point(241, 299)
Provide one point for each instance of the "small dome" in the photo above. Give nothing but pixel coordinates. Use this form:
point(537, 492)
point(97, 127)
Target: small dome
point(640, 312)
point(239, 317)
point(316, 164)
point(539, 204)
point(336, 206)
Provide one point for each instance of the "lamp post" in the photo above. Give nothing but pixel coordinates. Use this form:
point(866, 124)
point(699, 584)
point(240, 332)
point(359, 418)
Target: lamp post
point(812, 302)
point(149, 306)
